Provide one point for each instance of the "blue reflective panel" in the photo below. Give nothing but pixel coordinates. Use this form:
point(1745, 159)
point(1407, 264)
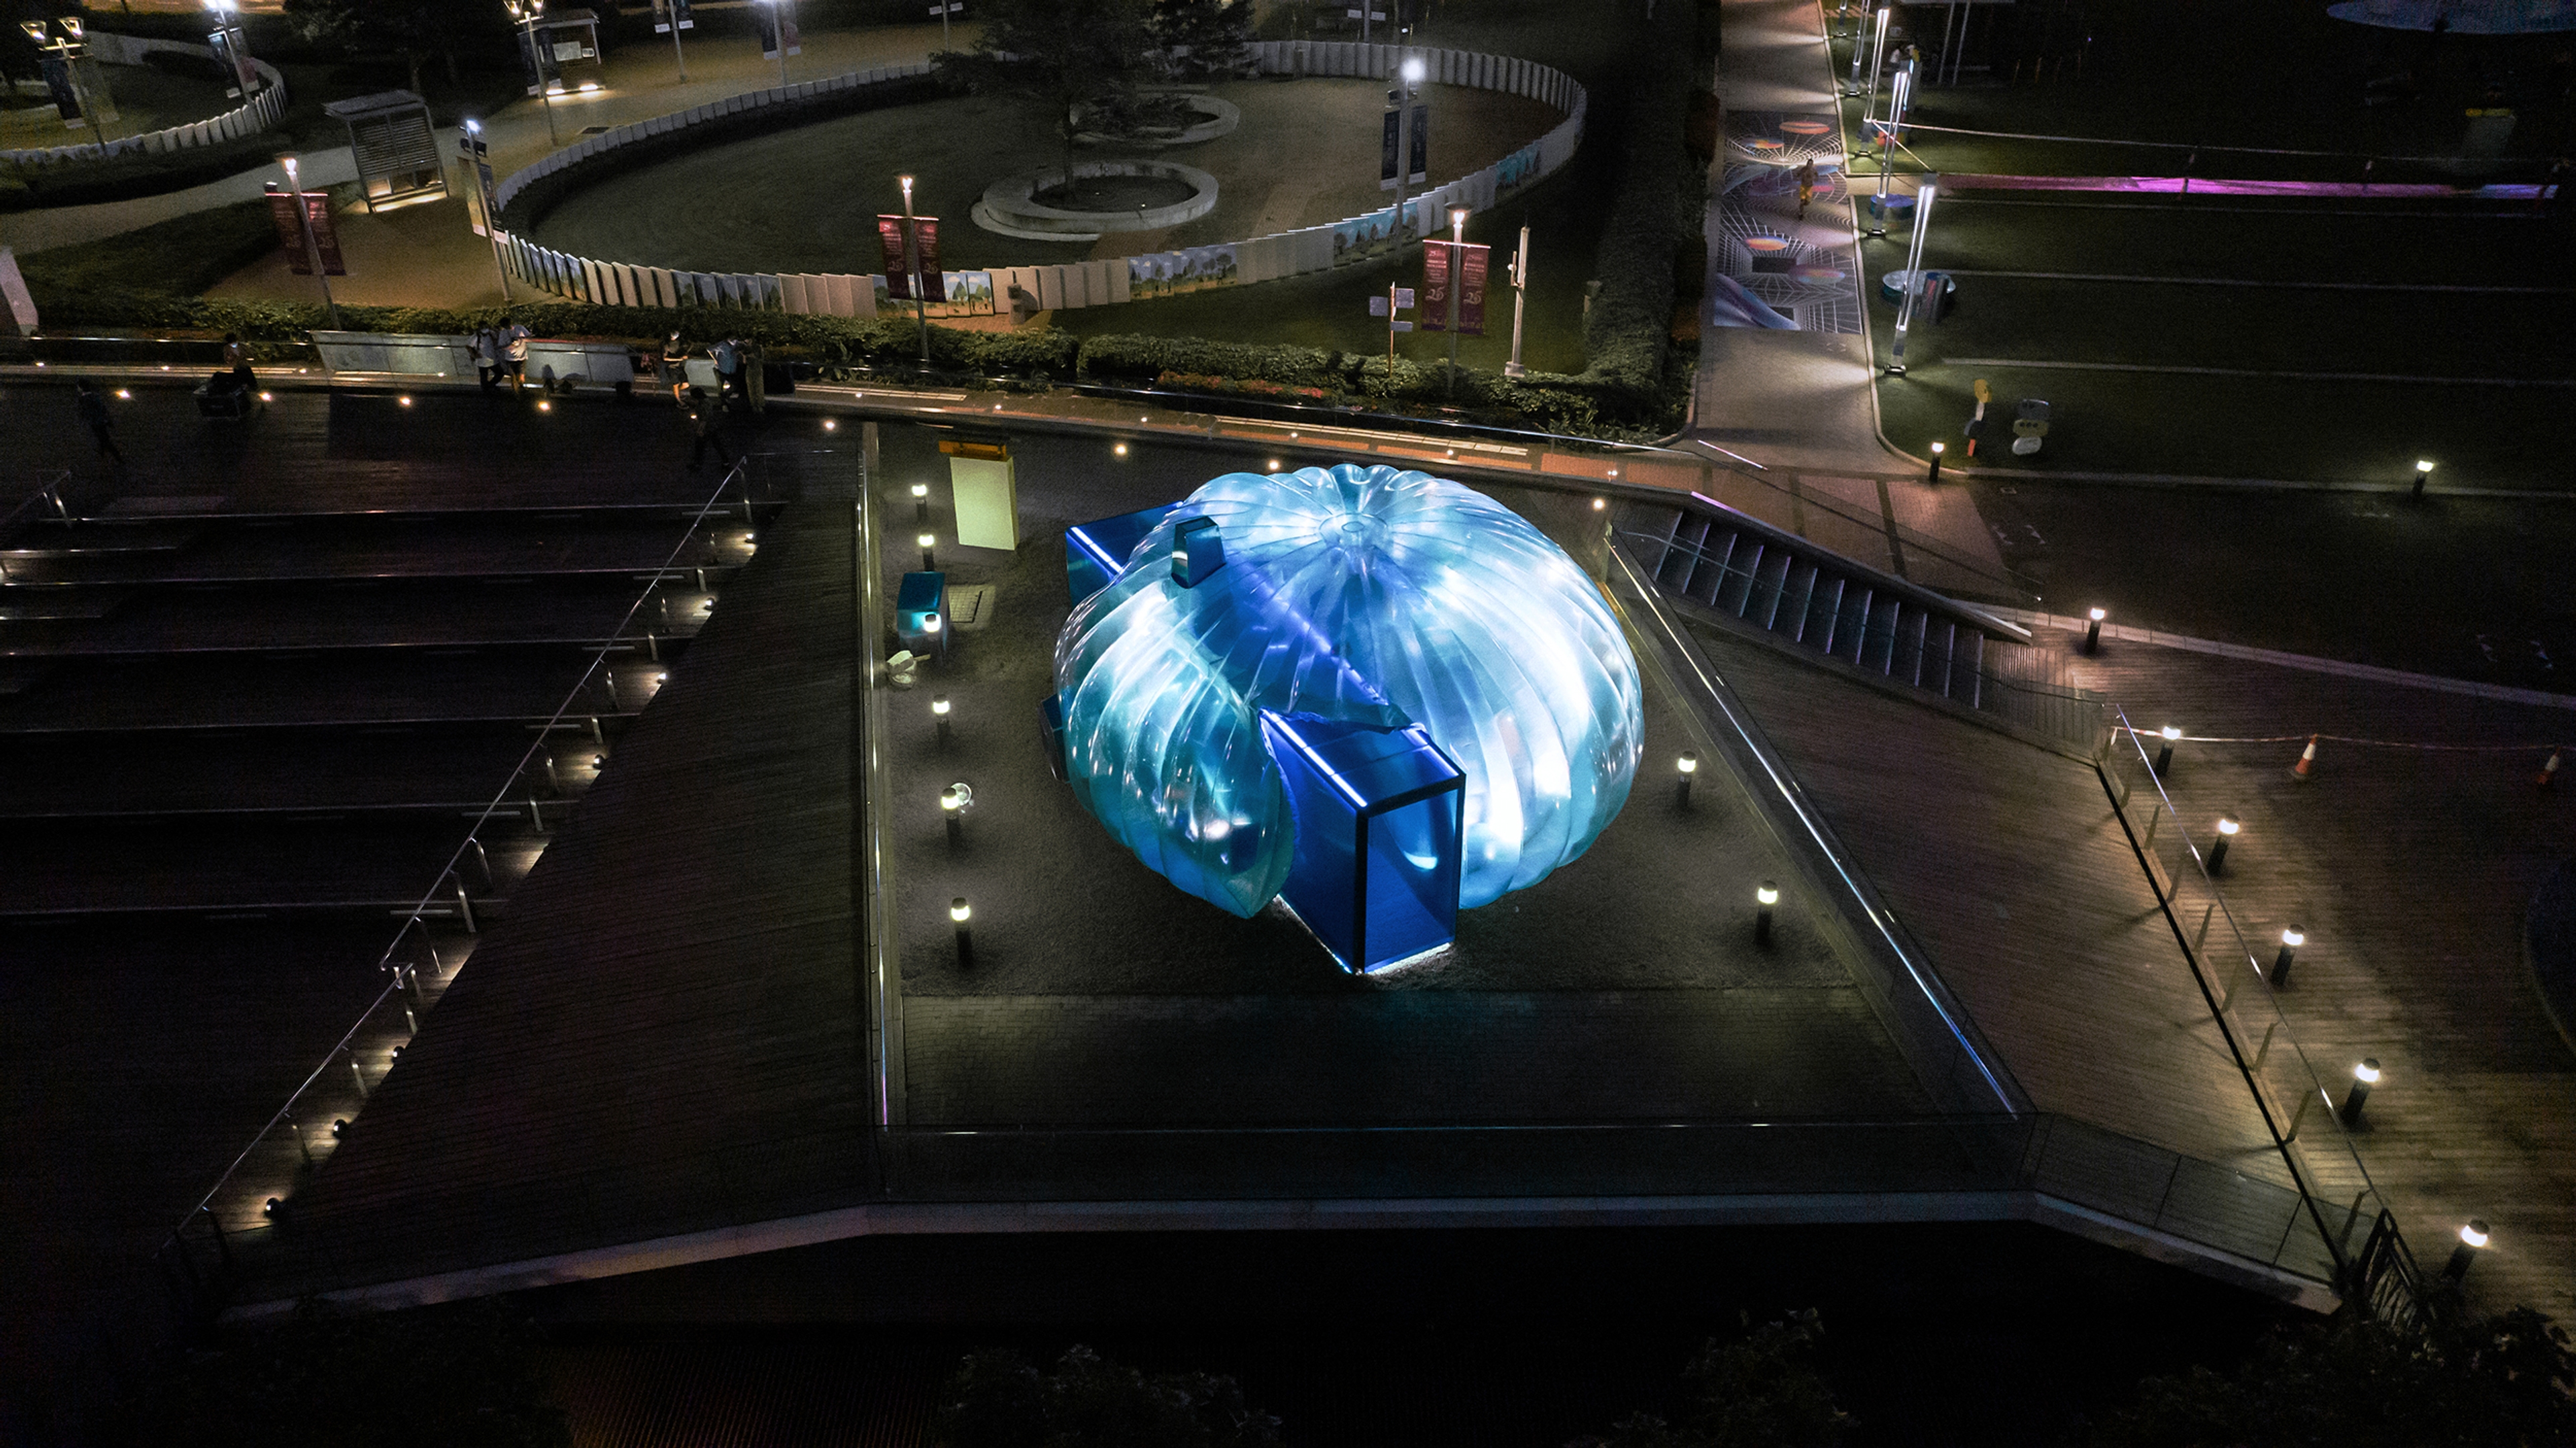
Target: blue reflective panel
point(1368, 595)
point(1412, 880)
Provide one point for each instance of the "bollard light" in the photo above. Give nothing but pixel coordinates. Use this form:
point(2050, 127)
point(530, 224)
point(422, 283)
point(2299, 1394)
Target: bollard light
point(2291, 940)
point(2164, 752)
point(2364, 1076)
point(339, 1126)
point(829, 425)
point(1937, 449)
point(2423, 475)
point(2473, 1240)
point(959, 912)
point(928, 562)
point(1764, 899)
point(1681, 790)
point(2093, 629)
point(939, 711)
point(921, 502)
point(2227, 828)
point(269, 1207)
point(1120, 449)
point(1600, 505)
point(952, 808)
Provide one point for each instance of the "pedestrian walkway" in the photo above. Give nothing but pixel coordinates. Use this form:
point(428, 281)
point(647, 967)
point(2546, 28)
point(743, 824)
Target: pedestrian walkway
point(1798, 398)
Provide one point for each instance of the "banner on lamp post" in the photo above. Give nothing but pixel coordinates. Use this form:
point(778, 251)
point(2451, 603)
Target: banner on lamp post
point(777, 29)
point(899, 266)
point(290, 235)
point(1435, 286)
point(1471, 287)
point(668, 14)
point(1421, 145)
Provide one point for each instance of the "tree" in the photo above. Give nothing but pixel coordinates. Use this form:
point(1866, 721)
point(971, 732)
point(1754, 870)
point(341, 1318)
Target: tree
point(1000, 1400)
point(2359, 1383)
point(1060, 56)
point(1762, 1390)
point(1203, 40)
point(412, 29)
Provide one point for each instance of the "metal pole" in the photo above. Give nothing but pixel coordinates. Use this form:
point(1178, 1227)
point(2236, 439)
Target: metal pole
point(678, 54)
point(944, 8)
point(1457, 284)
point(780, 15)
point(1520, 292)
point(1913, 275)
point(545, 93)
point(912, 266)
point(312, 245)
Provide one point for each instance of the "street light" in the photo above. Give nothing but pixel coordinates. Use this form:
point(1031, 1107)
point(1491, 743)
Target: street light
point(1411, 71)
point(232, 47)
point(291, 164)
point(780, 22)
point(70, 51)
point(1457, 288)
point(912, 264)
point(526, 14)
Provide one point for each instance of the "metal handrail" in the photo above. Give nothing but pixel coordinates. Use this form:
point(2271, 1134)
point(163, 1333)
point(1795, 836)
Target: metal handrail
point(456, 859)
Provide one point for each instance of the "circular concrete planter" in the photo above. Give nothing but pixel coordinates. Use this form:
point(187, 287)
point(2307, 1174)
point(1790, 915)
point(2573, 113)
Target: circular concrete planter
point(1009, 206)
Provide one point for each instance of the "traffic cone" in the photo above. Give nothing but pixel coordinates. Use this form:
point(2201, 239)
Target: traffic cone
point(2307, 759)
point(2548, 774)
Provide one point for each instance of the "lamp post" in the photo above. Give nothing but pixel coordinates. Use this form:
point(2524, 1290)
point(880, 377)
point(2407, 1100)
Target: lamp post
point(2364, 1076)
point(1764, 899)
point(2291, 940)
point(2170, 734)
point(232, 45)
point(1877, 49)
point(1937, 449)
point(921, 502)
point(1520, 292)
point(476, 150)
point(1410, 71)
point(2227, 828)
point(778, 23)
point(929, 561)
point(1457, 287)
point(292, 165)
point(679, 56)
point(960, 912)
point(527, 13)
point(2423, 475)
point(1681, 790)
point(939, 711)
point(1913, 260)
point(952, 808)
point(70, 50)
point(2093, 628)
point(912, 266)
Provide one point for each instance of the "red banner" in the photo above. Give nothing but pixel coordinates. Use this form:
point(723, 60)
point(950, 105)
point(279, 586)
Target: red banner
point(898, 267)
point(1471, 289)
point(290, 236)
point(1435, 286)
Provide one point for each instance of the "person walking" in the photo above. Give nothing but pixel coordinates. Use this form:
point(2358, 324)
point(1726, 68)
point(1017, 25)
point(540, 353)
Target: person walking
point(675, 366)
point(487, 357)
point(1806, 185)
point(93, 410)
point(514, 353)
point(706, 421)
point(728, 371)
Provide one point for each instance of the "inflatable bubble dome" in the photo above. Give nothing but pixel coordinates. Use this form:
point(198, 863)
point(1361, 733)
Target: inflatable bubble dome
point(1368, 596)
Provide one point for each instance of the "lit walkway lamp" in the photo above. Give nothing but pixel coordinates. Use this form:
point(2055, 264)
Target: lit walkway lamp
point(1765, 900)
point(960, 912)
point(2473, 1240)
point(2364, 1076)
point(1681, 790)
point(1914, 256)
point(2291, 940)
point(2227, 828)
point(526, 13)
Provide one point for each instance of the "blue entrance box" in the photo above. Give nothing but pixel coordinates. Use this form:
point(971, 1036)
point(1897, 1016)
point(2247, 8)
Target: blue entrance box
point(1379, 815)
point(1095, 552)
point(921, 613)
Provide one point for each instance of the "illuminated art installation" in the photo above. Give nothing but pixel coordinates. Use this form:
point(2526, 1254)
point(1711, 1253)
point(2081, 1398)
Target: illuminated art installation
point(1449, 694)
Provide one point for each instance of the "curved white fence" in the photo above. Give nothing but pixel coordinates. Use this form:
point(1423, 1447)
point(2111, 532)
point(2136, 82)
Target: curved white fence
point(253, 116)
point(1073, 284)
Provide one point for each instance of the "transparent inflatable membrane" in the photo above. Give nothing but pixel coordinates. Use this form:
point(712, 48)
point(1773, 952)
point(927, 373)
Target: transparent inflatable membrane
point(1371, 596)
